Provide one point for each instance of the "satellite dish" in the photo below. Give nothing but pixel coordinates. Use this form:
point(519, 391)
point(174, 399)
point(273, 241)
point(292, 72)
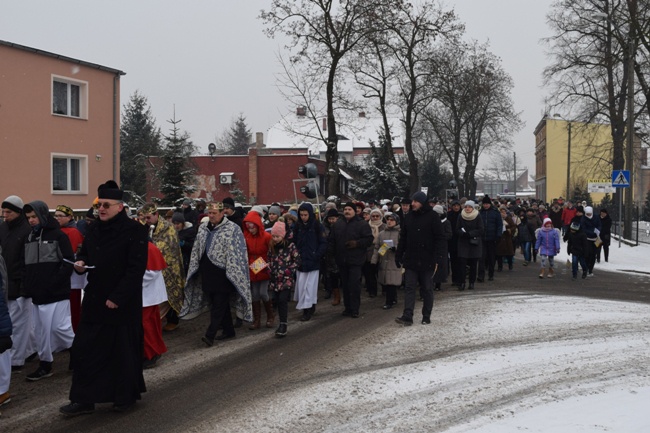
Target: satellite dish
point(212, 149)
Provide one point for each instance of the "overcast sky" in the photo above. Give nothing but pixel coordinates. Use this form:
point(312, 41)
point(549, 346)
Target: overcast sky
point(211, 60)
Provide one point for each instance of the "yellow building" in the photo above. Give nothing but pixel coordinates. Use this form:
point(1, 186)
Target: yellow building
point(570, 153)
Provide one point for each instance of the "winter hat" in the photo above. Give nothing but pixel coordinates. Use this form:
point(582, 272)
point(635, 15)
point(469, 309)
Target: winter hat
point(351, 205)
point(575, 225)
point(279, 229)
point(332, 213)
point(169, 214)
point(275, 210)
point(228, 203)
point(384, 208)
point(406, 201)
point(178, 217)
point(366, 210)
point(187, 202)
point(14, 203)
point(470, 203)
point(110, 190)
point(393, 216)
point(580, 209)
point(589, 210)
point(420, 197)
point(378, 212)
point(439, 209)
point(486, 199)
point(548, 221)
point(259, 210)
point(65, 209)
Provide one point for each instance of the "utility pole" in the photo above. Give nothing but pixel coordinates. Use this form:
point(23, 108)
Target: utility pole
point(629, 150)
point(515, 176)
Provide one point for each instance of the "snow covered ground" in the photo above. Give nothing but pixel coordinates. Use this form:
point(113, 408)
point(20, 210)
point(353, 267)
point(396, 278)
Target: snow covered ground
point(508, 363)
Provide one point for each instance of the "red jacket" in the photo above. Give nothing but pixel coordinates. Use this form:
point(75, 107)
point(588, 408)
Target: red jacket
point(567, 215)
point(257, 245)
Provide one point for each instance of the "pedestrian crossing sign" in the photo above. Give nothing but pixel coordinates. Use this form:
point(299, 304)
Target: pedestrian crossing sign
point(621, 178)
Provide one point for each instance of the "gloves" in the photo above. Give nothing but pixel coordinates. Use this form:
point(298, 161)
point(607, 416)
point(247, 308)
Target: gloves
point(398, 262)
point(597, 232)
point(393, 249)
point(557, 252)
point(5, 343)
point(351, 244)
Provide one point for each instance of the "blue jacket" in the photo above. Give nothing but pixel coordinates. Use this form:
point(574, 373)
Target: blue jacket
point(310, 239)
point(492, 224)
point(548, 242)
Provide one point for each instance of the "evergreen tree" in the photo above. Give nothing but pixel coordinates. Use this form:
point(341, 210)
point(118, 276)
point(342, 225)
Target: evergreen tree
point(580, 194)
point(434, 177)
point(139, 139)
point(378, 178)
point(236, 140)
point(606, 202)
point(176, 175)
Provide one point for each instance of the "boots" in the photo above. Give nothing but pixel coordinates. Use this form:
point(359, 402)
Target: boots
point(551, 273)
point(337, 296)
point(257, 313)
point(542, 273)
point(269, 314)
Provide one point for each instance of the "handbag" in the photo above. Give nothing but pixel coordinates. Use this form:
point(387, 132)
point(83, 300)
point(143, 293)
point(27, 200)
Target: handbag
point(473, 241)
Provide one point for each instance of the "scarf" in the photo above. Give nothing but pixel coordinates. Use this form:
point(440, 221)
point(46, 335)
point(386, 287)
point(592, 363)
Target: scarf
point(375, 225)
point(469, 216)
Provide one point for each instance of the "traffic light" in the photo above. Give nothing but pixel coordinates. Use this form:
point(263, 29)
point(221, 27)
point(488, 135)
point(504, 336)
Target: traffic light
point(309, 190)
point(309, 171)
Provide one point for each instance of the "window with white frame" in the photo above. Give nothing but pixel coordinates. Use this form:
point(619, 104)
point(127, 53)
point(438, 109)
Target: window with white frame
point(69, 174)
point(69, 97)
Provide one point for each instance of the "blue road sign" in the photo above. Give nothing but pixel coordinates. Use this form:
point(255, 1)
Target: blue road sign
point(621, 178)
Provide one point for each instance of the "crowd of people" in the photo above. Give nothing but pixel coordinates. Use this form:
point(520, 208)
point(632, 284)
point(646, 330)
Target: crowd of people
point(109, 286)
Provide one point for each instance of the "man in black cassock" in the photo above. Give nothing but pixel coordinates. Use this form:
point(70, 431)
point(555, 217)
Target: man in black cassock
point(107, 350)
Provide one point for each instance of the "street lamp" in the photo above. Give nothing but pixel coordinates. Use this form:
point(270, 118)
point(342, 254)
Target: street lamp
point(568, 156)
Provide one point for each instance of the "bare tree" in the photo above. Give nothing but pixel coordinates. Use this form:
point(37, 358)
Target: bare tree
point(472, 111)
point(321, 33)
point(395, 66)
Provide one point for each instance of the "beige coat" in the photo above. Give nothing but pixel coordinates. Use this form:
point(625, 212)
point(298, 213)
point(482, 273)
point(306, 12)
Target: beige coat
point(388, 273)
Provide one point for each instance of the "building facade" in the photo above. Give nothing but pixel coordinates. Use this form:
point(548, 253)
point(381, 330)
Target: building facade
point(59, 123)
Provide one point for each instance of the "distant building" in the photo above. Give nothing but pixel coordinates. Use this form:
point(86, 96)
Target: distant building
point(498, 185)
point(59, 126)
point(300, 133)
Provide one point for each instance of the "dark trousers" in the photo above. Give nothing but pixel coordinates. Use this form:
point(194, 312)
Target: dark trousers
point(507, 259)
point(281, 299)
point(591, 256)
point(391, 294)
point(412, 280)
point(217, 289)
point(456, 271)
point(370, 275)
point(605, 248)
point(472, 263)
point(574, 264)
point(351, 285)
point(488, 259)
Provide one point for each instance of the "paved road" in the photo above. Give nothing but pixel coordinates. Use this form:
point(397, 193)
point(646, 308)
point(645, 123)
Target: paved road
point(195, 385)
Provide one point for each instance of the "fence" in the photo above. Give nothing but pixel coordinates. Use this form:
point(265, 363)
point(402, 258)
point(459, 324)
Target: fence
point(640, 228)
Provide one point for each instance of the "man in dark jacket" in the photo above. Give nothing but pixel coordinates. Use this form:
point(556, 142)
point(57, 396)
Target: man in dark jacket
point(349, 240)
point(421, 243)
point(13, 232)
point(48, 258)
point(492, 229)
point(107, 352)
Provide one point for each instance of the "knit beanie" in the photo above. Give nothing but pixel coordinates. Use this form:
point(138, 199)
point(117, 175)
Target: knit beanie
point(378, 212)
point(547, 221)
point(420, 197)
point(332, 213)
point(259, 210)
point(439, 209)
point(279, 229)
point(178, 217)
point(350, 204)
point(470, 203)
point(275, 210)
point(14, 203)
point(394, 216)
point(486, 199)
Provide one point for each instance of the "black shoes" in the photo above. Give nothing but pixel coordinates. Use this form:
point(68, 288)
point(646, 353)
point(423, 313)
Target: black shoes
point(123, 407)
point(471, 286)
point(224, 336)
point(39, 374)
point(426, 321)
point(461, 287)
point(207, 340)
point(355, 315)
point(387, 306)
point(346, 313)
point(75, 409)
point(480, 280)
point(404, 321)
point(150, 363)
point(281, 331)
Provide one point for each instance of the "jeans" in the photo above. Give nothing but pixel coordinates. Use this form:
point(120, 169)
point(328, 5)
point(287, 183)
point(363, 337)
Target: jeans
point(525, 246)
point(574, 264)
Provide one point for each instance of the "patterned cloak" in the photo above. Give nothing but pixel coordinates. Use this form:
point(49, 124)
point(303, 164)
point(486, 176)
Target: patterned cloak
point(227, 251)
point(166, 239)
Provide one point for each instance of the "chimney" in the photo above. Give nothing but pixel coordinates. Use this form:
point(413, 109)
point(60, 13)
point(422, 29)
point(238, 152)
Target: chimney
point(362, 114)
point(301, 111)
point(259, 140)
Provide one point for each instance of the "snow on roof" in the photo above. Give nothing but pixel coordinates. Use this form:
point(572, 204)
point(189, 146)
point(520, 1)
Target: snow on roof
point(300, 132)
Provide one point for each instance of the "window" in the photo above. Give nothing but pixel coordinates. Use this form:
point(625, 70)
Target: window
point(69, 174)
point(68, 97)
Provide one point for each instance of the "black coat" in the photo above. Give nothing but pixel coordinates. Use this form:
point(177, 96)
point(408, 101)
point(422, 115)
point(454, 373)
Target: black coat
point(356, 229)
point(12, 241)
point(47, 276)
point(452, 217)
point(473, 229)
point(578, 244)
point(422, 240)
point(118, 250)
